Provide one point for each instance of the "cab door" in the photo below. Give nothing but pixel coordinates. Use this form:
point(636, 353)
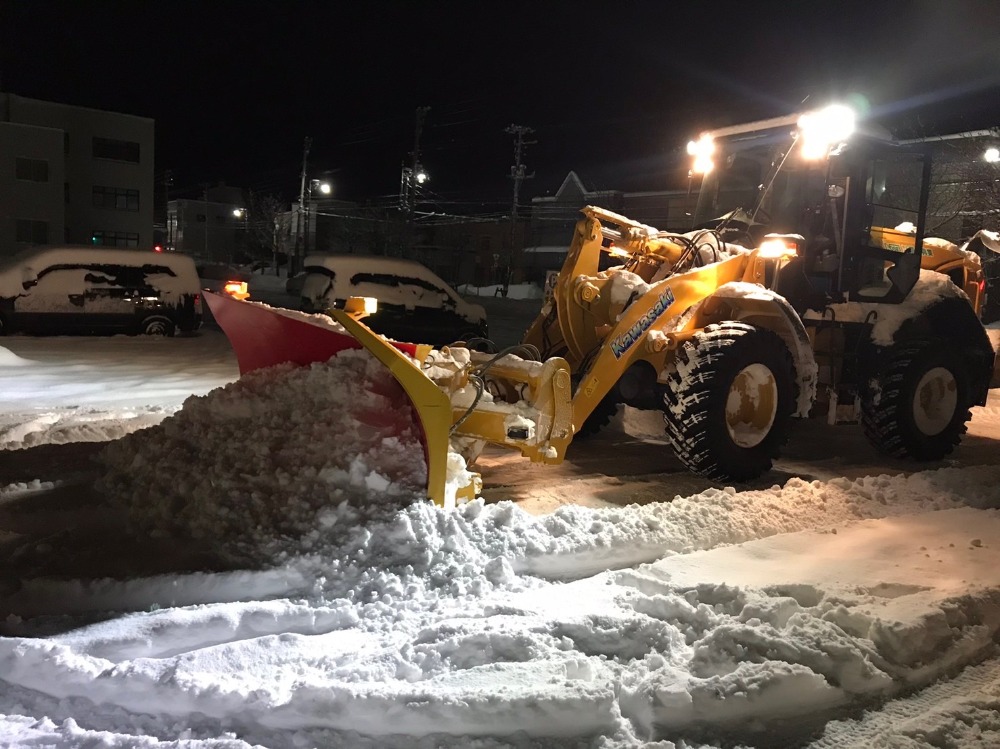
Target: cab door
point(884, 223)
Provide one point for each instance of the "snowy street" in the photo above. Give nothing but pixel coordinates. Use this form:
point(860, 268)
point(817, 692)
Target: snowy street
point(190, 559)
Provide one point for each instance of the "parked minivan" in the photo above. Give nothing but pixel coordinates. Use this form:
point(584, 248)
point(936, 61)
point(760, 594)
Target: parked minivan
point(414, 304)
point(99, 290)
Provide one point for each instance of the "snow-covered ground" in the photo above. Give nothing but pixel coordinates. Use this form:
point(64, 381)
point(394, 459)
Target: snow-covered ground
point(335, 608)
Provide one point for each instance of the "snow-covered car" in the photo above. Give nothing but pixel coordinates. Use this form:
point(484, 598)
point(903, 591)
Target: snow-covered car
point(99, 290)
point(294, 284)
point(414, 304)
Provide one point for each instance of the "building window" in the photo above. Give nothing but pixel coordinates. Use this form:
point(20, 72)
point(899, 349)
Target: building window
point(30, 231)
point(102, 238)
point(116, 198)
point(116, 150)
point(34, 170)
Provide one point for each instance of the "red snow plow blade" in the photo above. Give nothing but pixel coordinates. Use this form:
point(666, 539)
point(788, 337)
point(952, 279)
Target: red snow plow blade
point(262, 336)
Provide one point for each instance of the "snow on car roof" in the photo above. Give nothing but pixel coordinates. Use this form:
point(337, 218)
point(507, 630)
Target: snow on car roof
point(351, 264)
point(25, 265)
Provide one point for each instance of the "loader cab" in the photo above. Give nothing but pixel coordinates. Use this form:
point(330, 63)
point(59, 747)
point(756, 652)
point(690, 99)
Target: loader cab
point(755, 190)
point(860, 211)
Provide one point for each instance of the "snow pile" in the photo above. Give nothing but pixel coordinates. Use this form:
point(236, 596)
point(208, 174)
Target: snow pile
point(423, 634)
point(278, 426)
point(723, 618)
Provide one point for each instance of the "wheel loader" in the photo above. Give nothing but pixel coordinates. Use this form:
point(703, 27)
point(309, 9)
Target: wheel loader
point(807, 289)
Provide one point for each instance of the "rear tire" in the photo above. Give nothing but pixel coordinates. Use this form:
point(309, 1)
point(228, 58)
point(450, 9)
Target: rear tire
point(157, 325)
point(918, 403)
point(728, 402)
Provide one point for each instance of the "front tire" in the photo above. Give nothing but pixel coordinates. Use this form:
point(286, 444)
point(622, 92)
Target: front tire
point(157, 325)
point(728, 402)
point(918, 403)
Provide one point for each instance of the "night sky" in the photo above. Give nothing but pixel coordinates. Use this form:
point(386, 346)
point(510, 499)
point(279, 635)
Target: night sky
point(613, 90)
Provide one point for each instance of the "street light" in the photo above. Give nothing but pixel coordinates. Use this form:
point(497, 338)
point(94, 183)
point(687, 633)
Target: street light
point(992, 155)
point(324, 188)
point(409, 179)
point(240, 215)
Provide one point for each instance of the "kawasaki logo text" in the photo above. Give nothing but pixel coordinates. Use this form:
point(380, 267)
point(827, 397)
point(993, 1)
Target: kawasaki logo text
point(626, 340)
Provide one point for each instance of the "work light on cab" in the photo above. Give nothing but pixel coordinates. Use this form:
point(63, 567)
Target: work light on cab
point(825, 129)
point(702, 150)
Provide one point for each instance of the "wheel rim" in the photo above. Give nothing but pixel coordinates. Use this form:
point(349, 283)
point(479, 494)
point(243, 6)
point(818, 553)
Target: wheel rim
point(751, 405)
point(935, 401)
point(156, 327)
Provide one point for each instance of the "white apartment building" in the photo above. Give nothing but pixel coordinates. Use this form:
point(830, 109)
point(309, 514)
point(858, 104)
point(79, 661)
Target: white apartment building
point(73, 175)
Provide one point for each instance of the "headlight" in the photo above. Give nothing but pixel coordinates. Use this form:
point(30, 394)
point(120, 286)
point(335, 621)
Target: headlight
point(361, 306)
point(236, 289)
point(775, 246)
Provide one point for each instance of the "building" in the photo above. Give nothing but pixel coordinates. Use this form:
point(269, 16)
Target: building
point(553, 218)
point(965, 184)
point(73, 175)
point(210, 228)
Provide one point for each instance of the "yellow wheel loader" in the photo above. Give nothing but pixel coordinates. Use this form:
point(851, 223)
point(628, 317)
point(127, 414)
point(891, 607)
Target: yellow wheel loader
point(808, 288)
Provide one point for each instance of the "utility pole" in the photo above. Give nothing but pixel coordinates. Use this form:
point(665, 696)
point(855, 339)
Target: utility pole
point(412, 176)
point(293, 265)
point(414, 173)
point(517, 173)
point(204, 187)
point(168, 179)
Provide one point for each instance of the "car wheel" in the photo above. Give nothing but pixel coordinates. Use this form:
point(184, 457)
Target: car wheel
point(729, 400)
point(917, 404)
point(157, 325)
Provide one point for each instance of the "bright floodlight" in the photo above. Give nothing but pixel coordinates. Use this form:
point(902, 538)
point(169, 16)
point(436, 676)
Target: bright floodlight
point(702, 150)
point(325, 188)
point(992, 155)
point(238, 212)
point(422, 176)
point(825, 129)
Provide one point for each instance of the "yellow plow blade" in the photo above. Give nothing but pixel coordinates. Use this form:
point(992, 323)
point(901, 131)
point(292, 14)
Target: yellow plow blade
point(432, 405)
